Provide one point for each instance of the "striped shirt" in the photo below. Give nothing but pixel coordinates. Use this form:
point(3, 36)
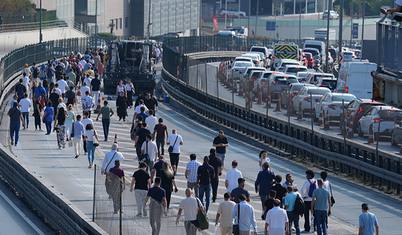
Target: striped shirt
point(192, 167)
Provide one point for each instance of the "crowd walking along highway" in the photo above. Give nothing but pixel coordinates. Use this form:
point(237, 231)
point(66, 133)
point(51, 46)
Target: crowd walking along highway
point(237, 205)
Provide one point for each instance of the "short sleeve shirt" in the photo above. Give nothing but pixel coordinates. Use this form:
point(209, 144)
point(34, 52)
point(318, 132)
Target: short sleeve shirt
point(290, 200)
point(219, 140)
point(117, 171)
point(158, 166)
point(321, 196)
point(14, 115)
point(95, 84)
point(106, 111)
point(172, 139)
point(141, 179)
point(269, 204)
point(25, 103)
point(190, 207)
point(205, 173)
point(157, 193)
point(225, 209)
point(160, 130)
point(368, 221)
point(237, 192)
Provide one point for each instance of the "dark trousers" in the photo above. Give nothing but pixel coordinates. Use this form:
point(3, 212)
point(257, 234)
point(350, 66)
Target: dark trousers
point(160, 144)
point(106, 124)
point(37, 121)
point(307, 216)
point(214, 184)
point(168, 196)
point(85, 144)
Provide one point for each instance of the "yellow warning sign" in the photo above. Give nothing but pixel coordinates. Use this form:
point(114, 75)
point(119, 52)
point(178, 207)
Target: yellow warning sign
point(286, 51)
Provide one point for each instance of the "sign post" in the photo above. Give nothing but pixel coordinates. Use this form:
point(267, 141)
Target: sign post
point(355, 30)
point(270, 26)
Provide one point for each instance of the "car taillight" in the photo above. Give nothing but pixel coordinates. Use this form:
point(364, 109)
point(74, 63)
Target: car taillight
point(257, 62)
point(376, 120)
point(252, 80)
point(323, 85)
point(347, 89)
point(293, 95)
point(262, 82)
point(332, 106)
point(273, 58)
point(234, 70)
point(274, 82)
point(307, 99)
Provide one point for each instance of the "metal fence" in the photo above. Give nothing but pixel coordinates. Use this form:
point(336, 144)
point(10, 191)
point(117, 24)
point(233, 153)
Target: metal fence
point(389, 44)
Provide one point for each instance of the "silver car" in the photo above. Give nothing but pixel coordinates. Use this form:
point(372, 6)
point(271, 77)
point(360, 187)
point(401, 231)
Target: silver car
point(238, 69)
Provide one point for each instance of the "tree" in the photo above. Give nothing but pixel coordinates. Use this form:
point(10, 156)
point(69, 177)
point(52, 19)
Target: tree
point(111, 26)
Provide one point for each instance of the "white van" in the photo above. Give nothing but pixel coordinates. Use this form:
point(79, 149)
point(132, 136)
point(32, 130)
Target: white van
point(355, 78)
point(317, 45)
point(226, 33)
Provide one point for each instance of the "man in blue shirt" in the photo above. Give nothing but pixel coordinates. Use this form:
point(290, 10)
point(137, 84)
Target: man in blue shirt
point(319, 205)
point(264, 181)
point(205, 174)
point(78, 132)
point(247, 216)
point(368, 224)
point(290, 200)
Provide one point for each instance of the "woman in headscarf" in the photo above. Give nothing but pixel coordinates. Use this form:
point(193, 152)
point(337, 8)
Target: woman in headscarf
point(121, 105)
point(167, 178)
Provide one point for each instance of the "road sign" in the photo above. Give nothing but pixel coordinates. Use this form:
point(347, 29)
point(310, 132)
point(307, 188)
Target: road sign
point(355, 30)
point(340, 57)
point(270, 26)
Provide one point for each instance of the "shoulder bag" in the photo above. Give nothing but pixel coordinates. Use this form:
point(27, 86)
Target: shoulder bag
point(94, 140)
point(202, 218)
point(72, 131)
point(144, 156)
point(332, 195)
point(236, 227)
point(170, 149)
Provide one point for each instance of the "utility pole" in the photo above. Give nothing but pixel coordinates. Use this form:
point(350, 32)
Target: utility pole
point(300, 23)
point(226, 14)
point(40, 22)
point(149, 21)
point(351, 24)
point(361, 45)
point(256, 18)
point(96, 25)
point(326, 48)
point(340, 27)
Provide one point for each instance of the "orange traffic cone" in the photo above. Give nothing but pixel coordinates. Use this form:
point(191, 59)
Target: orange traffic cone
point(278, 104)
point(259, 101)
point(115, 139)
point(79, 89)
point(300, 112)
point(326, 122)
point(241, 89)
point(371, 136)
point(350, 132)
point(98, 106)
point(320, 120)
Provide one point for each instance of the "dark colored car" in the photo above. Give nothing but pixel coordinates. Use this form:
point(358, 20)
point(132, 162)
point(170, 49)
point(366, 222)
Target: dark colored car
point(356, 109)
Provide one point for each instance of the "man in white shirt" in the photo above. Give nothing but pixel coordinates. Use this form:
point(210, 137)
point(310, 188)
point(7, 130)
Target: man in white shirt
point(84, 89)
point(276, 220)
point(26, 71)
point(87, 103)
point(232, 176)
point(151, 121)
point(150, 147)
point(247, 216)
point(108, 161)
point(190, 207)
point(62, 85)
point(25, 105)
point(137, 109)
point(25, 82)
point(191, 173)
point(58, 91)
point(175, 141)
point(224, 212)
point(308, 198)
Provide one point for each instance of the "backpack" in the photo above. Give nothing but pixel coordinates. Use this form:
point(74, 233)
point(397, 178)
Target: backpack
point(35, 72)
point(312, 188)
point(300, 206)
point(21, 90)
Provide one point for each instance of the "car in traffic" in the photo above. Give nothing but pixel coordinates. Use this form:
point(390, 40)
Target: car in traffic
point(381, 118)
point(329, 82)
point(302, 76)
point(313, 77)
point(309, 59)
point(294, 69)
point(254, 78)
point(262, 56)
point(308, 97)
point(238, 69)
point(284, 62)
point(332, 102)
point(265, 51)
point(356, 109)
point(232, 12)
point(241, 58)
point(333, 15)
point(292, 90)
point(263, 80)
point(256, 59)
point(312, 51)
point(277, 82)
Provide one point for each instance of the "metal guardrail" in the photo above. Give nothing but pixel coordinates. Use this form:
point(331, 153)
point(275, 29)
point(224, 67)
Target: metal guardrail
point(32, 26)
point(348, 157)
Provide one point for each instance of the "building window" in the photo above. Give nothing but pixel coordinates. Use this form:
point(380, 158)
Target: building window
point(116, 25)
point(126, 22)
point(121, 23)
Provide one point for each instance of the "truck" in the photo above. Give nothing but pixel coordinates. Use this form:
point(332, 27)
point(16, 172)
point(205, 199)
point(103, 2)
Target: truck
point(321, 34)
point(129, 59)
point(284, 51)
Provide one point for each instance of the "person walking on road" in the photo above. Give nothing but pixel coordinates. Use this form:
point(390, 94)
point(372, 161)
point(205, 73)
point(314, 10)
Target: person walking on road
point(205, 174)
point(191, 173)
point(263, 183)
point(151, 121)
point(245, 217)
point(158, 167)
point(232, 176)
point(140, 138)
point(289, 181)
point(69, 121)
point(280, 190)
point(276, 221)
point(190, 206)
point(368, 224)
point(117, 184)
point(168, 181)
point(15, 118)
point(120, 88)
point(121, 106)
point(87, 103)
point(48, 117)
point(290, 200)
point(38, 107)
point(89, 136)
point(160, 129)
point(263, 157)
point(158, 201)
point(14, 100)
point(25, 105)
point(216, 163)
point(223, 213)
point(220, 143)
point(20, 90)
point(150, 149)
point(77, 133)
point(137, 109)
point(236, 192)
point(307, 197)
point(174, 140)
point(111, 156)
point(106, 113)
point(85, 121)
point(95, 89)
point(142, 183)
point(319, 205)
point(130, 92)
point(60, 128)
point(269, 204)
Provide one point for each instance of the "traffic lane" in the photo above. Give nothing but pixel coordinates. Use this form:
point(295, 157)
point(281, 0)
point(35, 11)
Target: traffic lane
point(226, 94)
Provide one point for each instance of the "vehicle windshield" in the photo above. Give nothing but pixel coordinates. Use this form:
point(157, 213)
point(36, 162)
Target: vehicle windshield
point(308, 56)
point(318, 75)
point(242, 59)
point(243, 64)
point(258, 50)
point(289, 63)
point(296, 69)
point(318, 91)
point(346, 98)
point(314, 46)
point(266, 75)
point(254, 57)
point(313, 52)
point(331, 84)
point(286, 80)
point(390, 114)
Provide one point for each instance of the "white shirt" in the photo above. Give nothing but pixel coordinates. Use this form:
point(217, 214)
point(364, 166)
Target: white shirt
point(190, 208)
point(62, 105)
point(225, 209)
point(138, 108)
point(89, 134)
point(26, 70)
point(231, 177)
point(25, 82)
point(276, 218)
point(151, 150)
point(262, 162)
point(88, 80)
point(83, 90)
point(85, 122)
point(172, 139)
point(128, 87)
point(305, 189)
point(109, 158)
point(151, 123)
point(62, 85)
point(58, 91)
point(25, 104)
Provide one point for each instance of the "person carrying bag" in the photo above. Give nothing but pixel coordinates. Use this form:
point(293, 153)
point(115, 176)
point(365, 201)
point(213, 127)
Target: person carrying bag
point(236, 227)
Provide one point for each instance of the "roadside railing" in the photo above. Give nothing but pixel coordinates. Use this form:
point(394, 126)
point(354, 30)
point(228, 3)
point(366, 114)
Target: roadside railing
point(32, 26)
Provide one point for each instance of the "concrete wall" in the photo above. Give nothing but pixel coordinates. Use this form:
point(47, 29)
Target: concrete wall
point(11, 41)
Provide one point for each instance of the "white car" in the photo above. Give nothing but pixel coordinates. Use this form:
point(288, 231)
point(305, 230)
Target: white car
point(333, 15)
point(238, 69)
point(283, 62)
point(302, 76)
point(232, 12)
point(294, 69)
point(245, 59)
point(332, 102)
point(256, 59)
point(306, 100)
point(373, 116)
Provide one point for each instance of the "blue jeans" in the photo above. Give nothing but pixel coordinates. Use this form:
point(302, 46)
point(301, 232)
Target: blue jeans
point(48, 127)
point(207, 190)
point(25, 115)
point(293, 217)
point(15, 128)
point(106, 124)
point(91, 151)
point(160, 144)
point(222, 157)
point(320, 218)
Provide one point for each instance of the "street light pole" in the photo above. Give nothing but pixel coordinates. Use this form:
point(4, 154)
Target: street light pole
point(361, 45)
point(96, 24)
point(226, 12)
point(340, 28)
point(149, 21)
point(327, 47)
point(256, 18)
point(40, 22)
point(300, 23)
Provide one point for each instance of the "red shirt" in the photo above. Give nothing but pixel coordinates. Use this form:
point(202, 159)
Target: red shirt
point(160, 130)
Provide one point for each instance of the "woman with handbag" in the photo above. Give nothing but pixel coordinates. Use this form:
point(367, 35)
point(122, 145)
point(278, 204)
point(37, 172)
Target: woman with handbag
point(37, 112)
point(92, 143)
point(168, 181)
point(48, 117)
point(60, 128)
